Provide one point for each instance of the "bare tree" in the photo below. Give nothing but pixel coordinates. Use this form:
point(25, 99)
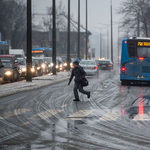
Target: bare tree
point(136, 16)
point(13, 21)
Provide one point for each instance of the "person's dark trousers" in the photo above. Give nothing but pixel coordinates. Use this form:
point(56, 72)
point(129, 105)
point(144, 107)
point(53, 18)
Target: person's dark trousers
point(80, 87)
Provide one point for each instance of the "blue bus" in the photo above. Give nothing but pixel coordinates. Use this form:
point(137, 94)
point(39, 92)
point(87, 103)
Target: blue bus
point(135, 60)
point(42, 52)
point(4, 48)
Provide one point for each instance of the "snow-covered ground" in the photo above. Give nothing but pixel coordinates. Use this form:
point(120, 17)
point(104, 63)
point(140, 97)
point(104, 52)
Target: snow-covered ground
point(37, 82)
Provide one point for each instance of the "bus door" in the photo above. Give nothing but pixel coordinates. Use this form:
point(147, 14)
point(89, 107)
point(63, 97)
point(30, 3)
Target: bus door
point(130, 65)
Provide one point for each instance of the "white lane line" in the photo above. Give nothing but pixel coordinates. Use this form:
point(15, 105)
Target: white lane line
point(46, 114)
point(142, 117)
point(79, 115)
point(14, 113)
point(64, 105)
point(110, 116)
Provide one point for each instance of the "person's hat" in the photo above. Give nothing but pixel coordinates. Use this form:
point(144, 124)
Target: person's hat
point(76, 63)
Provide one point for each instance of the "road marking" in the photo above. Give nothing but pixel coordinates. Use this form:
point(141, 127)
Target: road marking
point(26, 123)
point(64, 105)
point(79, 115)
point(143, 117)
point(46, 114)
point(14, 113)
point(110, 116)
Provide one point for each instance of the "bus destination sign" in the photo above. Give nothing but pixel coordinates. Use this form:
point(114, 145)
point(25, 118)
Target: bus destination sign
point(143, 43)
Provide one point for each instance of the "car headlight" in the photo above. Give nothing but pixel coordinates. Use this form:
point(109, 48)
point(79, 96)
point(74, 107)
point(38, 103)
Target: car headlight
point(43, 65)
point(60, 65)
point(65, 64)
point(23, 69)
point(32, 69)
point(8, 73)
point(38, 68)
point(57, 67)
point(52, 64)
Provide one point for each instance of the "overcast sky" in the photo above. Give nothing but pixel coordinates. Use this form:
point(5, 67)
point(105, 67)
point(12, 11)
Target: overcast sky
point(98, 12)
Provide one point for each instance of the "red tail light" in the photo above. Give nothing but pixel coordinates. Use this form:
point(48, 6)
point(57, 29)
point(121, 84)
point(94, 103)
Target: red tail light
point(123, 70)
point(95, 68)
point(109, 65)
point(141, 58)
point(98, 64)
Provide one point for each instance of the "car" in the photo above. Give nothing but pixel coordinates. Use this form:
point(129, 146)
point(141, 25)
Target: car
point(22, 67)
point(38, 63)
point(10, 71)
point(1, 72)
point(105, 64)
point(90, 67)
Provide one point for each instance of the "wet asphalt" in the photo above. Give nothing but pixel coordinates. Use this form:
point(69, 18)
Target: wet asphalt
point(115, 117)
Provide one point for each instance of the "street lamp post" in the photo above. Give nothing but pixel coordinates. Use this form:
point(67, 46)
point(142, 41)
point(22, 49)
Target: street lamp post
point(54, 38)
point(29, 41)
point(86, 30)
point(78, 29)
point(111, 32)
point(68, 47)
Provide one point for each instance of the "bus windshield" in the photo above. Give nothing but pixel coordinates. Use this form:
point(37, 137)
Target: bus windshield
point(143, 52)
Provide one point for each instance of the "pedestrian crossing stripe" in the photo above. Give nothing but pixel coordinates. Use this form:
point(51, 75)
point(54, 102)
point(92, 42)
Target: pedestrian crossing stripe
point(46, 114)
point(110, 116)
point(14, 113)
point(142, 117)
point(79, 115)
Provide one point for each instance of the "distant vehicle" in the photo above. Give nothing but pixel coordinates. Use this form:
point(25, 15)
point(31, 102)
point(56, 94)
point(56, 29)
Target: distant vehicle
point(38, 63)
point(1, 72)
point(11, 58)
point(48, 61)
point(10, 71)
point(105, 64)
point(90, 67)
point(19, 53)
point(4, 48)
point(42, 52)
point(135, 60)
point(22, 67)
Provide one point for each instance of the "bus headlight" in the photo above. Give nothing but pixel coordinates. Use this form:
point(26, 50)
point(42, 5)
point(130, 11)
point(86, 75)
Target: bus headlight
point(23, 69)
point(8, 73)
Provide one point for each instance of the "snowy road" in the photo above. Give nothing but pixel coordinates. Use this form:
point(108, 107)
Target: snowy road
point(115, 117)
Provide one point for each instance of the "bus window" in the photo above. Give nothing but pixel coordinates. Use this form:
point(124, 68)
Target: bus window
point(131, 49)
point(143, 52)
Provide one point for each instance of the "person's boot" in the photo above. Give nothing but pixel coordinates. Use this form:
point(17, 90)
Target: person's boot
point(89, 95)
point(76, 100)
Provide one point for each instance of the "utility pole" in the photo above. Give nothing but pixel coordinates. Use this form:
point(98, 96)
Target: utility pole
point(68, 47)
point(29, 41)
point(78, 29)
point(86, 30)
point(54, 38)
point(111, 33)
point(101, 45)
point(107, 41)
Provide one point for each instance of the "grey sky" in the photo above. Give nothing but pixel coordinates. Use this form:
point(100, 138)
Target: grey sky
point(98, 12)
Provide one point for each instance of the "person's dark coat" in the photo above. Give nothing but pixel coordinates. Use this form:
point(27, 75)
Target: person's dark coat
point(79, 74)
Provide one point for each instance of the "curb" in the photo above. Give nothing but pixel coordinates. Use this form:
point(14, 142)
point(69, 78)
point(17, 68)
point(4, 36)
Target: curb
point(23, 90)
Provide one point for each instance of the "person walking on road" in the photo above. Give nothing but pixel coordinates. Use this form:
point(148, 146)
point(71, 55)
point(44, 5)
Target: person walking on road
point(79, 74)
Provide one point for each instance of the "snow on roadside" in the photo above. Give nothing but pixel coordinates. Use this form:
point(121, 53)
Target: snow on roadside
point(37, 82)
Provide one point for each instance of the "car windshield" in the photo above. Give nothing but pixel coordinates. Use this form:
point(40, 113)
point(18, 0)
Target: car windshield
point(87, 63)
point(7, 65)
point(22, 62)
point(6, 58)
point(104, 62)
